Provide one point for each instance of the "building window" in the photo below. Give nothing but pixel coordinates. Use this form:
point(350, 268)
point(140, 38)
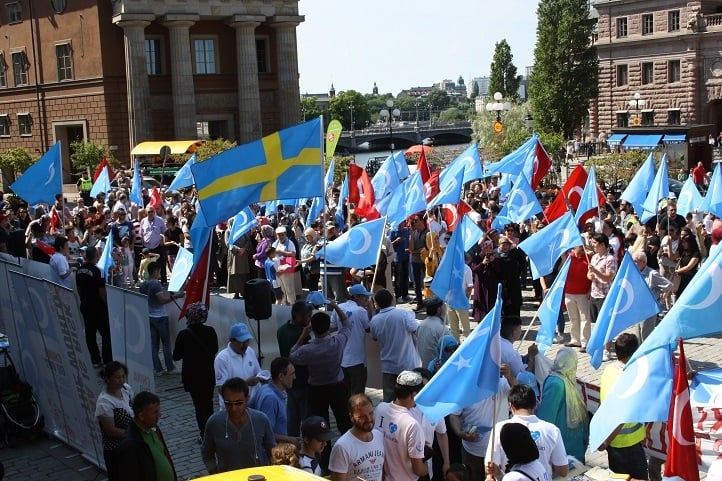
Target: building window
point(622, 119)
point(647, 73)
point(621, 27)
point(262, 55)
point(204, 53)
point(647, 24)
point(4, 126)
point(3, 69)
point(153, 63)
point(15, 12)
point(622, 75)
point(674, 117)
point(211, 129)
point(648, 118)
point(20, 68)
point(24, 123)
point(674, 71)
point(64, 55)
point(673, 21)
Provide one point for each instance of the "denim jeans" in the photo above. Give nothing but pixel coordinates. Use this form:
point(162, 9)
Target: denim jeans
point(160, 332)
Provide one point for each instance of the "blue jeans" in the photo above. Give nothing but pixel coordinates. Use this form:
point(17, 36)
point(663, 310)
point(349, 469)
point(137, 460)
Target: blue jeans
point(160, 332)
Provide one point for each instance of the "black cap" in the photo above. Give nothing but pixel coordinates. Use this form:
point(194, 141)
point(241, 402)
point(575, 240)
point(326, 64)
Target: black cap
point(316, 427)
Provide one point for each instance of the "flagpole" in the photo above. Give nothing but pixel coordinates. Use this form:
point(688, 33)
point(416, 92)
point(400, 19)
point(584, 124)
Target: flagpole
point(490, 477)
point(324, 282)
point(526, 331)
point(378, 253)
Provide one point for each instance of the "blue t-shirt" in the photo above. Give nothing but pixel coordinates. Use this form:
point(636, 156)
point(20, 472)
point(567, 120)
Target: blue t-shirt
point(151, 289)
point(402, 255)
point(270, 268)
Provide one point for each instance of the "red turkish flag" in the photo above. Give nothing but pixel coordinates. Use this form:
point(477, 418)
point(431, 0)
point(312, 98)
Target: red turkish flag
point(361, 192)
point(453, 213)
point(682, 460)
point(431, 186)
point(99, 169)
point(542, 163)
point(423, 167)
point(155, 199)
point(55, 222)
point(196, 288)
point(570, 195)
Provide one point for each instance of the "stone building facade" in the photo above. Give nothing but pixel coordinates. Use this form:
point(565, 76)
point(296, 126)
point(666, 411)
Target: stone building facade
point(122, 71)
point(667, 51)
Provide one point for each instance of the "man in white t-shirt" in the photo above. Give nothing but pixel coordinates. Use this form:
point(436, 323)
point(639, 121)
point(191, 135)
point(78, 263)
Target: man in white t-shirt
point(547, 436)
point(403, 436)
point(353, 363)
point(359, 453)
point(237, 360)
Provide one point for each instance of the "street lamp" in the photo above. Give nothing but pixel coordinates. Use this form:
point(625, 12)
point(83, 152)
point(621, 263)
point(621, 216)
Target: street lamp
point(389, 115)
point(529, 122)
point(637, 102)
point(353, 136)
point(431, 118)
point(498, 106)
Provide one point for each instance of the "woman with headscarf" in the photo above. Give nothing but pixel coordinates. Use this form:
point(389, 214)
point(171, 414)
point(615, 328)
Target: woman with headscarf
point(197, 346)
point(445, 348)
point(562, 404)
point(522, 453)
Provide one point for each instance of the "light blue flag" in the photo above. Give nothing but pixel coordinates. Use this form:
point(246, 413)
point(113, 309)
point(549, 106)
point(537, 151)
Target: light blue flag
point(504, 186)
point(271, 207)
point(136, 195)
point(638, 188)
point(200, 234)
point(712, 201)
point(689, 198)
point(471, 374)
point(357, 247)
point(448, 281)
point(469, 162)
point(343, 194)
point(284, 165)
point(641, 395)
point(545, 247)
point(415, 200)
point(184, 177)
point(402, 168)
point(548, 312)
point(315, 210)
point(516, 162)
point(181, 269)
point(696, 312)
point(658, 191)
point(450, 187)
point(386, 179)
point(629, 301)
point(328, 179)
point(241, 223)
point(43, 180)
point(101, 184)
point(105, 262)
point(471, 232)
point(521, 205)
point(590, 196)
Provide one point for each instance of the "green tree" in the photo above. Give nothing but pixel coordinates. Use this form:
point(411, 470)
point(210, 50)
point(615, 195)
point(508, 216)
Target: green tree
point(474, 90)
point(612, 168)
point(340, 108)
point(503, 77)
point(439, 99)
point(211, 148)
point(86, 155)
point(13, 162)
point(453, 113)
point(309, 109)
point(565, 74)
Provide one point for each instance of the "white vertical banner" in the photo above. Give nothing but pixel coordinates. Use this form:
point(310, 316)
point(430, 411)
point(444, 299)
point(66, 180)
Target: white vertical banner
point(8, 306)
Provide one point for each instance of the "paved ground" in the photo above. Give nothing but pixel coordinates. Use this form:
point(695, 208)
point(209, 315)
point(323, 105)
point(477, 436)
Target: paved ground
point(47, 458)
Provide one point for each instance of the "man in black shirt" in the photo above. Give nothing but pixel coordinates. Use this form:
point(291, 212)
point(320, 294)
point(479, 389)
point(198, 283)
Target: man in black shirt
point(94, 307)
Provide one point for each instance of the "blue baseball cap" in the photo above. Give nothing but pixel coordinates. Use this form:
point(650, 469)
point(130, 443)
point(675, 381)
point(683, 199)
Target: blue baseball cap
point(240, 332)
point(359, 290)
point(316, 298)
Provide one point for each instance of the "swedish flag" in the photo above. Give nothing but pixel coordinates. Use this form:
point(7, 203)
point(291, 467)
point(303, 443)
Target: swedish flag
point(284, 165)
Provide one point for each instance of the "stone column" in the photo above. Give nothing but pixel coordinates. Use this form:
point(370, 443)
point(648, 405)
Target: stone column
point(249, 97)
point(181, 61)
point(136, 75)
point(289, 97)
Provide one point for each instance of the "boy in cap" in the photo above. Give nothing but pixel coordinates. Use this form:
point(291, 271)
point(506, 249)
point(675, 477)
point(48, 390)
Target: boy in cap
point(238, 359)
point(146, 257)
point(316, 433)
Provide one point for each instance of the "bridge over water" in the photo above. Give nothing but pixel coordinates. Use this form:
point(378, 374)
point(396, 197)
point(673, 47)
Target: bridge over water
point(379, 138)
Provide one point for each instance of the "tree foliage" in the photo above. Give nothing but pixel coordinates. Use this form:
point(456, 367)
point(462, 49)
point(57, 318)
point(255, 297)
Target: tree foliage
point(565, 73)
point(211, 148)
point(309, 109)
point(86, 155)
point(502, 76)
point(613, 168)
point(339, 108)
point(439, 99)
point(474, 90)
point(13, 162)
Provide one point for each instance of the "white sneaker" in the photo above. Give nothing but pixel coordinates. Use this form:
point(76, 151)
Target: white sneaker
point(606, 356)
point(558, 339)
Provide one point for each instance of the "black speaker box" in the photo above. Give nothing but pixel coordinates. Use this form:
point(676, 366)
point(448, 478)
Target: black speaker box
point(258, 298)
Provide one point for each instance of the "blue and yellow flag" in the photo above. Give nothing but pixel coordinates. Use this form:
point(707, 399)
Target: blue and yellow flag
point(284, 165)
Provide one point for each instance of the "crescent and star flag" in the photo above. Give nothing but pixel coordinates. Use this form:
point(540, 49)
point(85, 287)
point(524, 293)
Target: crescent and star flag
point(333, 134)
point(548, 312)
point(638, 187)
point(712, 201)
point(590, 196)
point(102, 184)
point(470, 374)
point(386, 179)
point(402, 168)
point(314, 212)
point(136, 195)
point(571, 193)
point(453, 213)
point(521, 205)
point(181, 268)
point(689, 198)
point(541, 165)
point(545, 247)
point(43, 180)
point(155, 199)
point(422, 165)
point(515, 162)
point(415, 200)
point(99, 169)
point(448, 281)
point(361, 192)
point(431, 186)
point(682, 460)
point(471, 232)
point(393, 205)
point(357, 247)
point(284, 165)
point(469, 162)
point(450, 187)
point(184, 176)
point(241, 223)
point(200, 234)
point(658, 191)
point(328, 179)
point(629, 301)
point(105, 262)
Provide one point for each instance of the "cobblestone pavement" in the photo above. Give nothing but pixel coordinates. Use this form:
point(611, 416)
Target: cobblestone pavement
point(48, 458)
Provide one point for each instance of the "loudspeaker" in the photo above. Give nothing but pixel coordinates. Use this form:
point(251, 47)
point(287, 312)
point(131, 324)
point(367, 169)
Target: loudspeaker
point(258, 298)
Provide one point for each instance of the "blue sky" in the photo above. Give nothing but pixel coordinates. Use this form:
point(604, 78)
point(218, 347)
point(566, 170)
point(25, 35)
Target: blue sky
point(407, 43)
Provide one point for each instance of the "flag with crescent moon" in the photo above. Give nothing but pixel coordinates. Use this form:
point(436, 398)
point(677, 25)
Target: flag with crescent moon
point(241, 223)
point(689, 198)
point(548, 312)
point(101, 184)
point(181, 268)
point(357, 247)
point(385, 179)
point(638, 187)
point(658, 191)
point(448, 281)
point(590, 196)
point(454, 213)
point(571, 193)
point(521, 205)
point(184, 176)
point(43, 180)
point(712, 201)
point(545, 247)
point(136, 194)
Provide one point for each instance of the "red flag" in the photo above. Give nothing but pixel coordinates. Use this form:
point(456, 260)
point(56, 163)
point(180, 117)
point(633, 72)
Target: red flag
point(423, 167)
point(453, 213)
point(542, 163)
point(682, 454)
point(103, 163)
point(431, 186)
point(570, 194)
point(361, 193)
point(196, 288)
point(46, 248)
point(55, 222)
point(155, 199)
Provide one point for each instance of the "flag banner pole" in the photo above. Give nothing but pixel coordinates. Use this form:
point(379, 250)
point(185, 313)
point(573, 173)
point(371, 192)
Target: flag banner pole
point(376, 270)
point(324, 282)
point(526, 331)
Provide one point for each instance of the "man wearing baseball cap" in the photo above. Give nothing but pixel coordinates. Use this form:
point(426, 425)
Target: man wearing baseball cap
point(358, 309)
point(238, 359)
point(403, 436)
point(316, 433)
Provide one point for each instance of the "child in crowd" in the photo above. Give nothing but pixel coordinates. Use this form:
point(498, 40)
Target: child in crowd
point(316, 433)
point(128, 261)
point(146, 258)
point(271, 265)
point(284, 453)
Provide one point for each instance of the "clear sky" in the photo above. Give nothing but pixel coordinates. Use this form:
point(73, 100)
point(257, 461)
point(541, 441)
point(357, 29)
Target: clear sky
point(408, 43)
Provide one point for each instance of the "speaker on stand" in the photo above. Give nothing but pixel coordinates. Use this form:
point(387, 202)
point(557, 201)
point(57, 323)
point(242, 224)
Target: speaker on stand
point(258, 300)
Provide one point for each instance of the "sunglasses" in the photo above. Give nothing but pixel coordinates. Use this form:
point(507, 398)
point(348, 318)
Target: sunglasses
point(234, 403)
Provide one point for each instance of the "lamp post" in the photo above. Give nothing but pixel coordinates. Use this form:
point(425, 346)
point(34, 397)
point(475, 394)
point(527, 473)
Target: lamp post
point(416, 103)
point(431, 118)
point(498, 107)
point(353, 134)
point(637, 102)
point(389, 115)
